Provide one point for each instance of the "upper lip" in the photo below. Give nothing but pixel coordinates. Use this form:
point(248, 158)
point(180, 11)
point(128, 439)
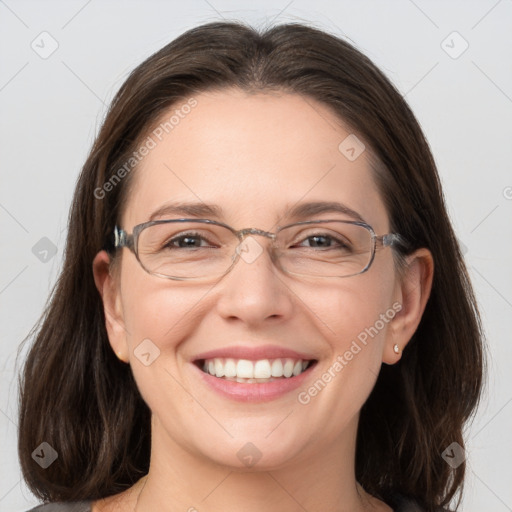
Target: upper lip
point(253, 353)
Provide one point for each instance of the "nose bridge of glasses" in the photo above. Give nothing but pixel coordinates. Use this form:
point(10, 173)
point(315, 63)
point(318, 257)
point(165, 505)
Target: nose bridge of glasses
point(243, 233)
point(250, 251)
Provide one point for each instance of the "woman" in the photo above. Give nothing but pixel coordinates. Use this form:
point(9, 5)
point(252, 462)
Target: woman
point(263, 303)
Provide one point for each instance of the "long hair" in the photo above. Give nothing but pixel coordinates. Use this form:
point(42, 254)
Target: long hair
point(75, 394)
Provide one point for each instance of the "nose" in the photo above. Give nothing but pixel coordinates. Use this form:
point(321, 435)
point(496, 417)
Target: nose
point(254, 290)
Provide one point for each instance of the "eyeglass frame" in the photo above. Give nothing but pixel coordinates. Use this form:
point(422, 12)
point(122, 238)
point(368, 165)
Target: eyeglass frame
point(130, 240)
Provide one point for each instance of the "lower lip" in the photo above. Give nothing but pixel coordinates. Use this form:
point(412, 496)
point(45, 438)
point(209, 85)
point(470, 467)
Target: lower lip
point(254, 392)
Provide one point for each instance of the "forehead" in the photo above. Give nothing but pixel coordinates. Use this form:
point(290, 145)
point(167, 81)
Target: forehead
point(253, 155)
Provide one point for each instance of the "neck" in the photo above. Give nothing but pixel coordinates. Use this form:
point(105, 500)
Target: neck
point(319, 479)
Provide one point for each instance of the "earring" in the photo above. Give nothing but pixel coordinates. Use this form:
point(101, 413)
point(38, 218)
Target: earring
point(119, 355)
point(396, 349)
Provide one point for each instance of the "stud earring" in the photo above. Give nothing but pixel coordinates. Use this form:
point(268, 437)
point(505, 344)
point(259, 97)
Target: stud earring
point(396, 349)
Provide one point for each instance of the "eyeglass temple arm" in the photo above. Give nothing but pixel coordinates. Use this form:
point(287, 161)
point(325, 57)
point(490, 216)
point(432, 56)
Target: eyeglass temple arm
point(392, 239)
point(122, 239)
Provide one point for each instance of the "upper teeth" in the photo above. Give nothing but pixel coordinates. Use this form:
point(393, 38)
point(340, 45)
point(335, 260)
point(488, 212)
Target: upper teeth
point(261, 369)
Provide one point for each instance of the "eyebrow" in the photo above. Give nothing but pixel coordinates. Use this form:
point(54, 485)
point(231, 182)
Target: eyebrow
point(299, 211)
point(305, 210)
point(199, 210)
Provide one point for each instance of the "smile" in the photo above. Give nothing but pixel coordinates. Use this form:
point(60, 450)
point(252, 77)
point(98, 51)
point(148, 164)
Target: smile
point(248, 381)
point(250, 372)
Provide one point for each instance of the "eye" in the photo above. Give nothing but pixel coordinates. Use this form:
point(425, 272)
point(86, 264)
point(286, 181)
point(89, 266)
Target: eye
point(322, 241)
point(187, 241)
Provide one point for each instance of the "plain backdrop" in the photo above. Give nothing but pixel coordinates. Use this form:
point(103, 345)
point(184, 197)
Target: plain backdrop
point(62, 61)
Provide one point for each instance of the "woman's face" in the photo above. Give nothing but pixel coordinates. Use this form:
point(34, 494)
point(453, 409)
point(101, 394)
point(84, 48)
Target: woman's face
point(254, 158)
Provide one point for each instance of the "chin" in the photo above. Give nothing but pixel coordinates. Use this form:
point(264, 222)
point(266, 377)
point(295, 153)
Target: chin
point(257, 453)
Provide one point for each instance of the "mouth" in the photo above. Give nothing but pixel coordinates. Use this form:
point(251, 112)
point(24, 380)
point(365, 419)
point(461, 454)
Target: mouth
point(261, 371)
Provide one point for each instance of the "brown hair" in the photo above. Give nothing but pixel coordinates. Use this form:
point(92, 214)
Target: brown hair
point(76, 395)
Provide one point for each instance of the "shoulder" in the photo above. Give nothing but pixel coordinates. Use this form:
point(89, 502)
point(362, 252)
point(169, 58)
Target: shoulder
point(402, 503)
point(407, 505)
point(75, 506)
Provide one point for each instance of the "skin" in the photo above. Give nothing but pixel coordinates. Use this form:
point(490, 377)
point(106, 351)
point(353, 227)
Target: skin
point(255, 156)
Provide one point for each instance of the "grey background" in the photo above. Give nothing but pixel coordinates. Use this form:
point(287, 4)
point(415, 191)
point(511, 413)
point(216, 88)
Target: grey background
point(51, 108)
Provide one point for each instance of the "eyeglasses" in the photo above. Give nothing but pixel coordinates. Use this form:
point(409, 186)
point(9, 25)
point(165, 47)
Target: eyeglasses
point(185, 249)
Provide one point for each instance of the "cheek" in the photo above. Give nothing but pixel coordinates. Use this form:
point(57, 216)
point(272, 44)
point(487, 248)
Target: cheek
point(157, 309)
point(347, 309)
point(159, 316)
point(354, 316)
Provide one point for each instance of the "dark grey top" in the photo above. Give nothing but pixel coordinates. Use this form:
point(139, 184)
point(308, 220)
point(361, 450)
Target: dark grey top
point(400, 504)
point(75, 506)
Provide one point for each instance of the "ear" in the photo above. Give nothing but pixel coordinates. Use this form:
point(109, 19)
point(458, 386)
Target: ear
point(412, 294)
point(108, 287)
